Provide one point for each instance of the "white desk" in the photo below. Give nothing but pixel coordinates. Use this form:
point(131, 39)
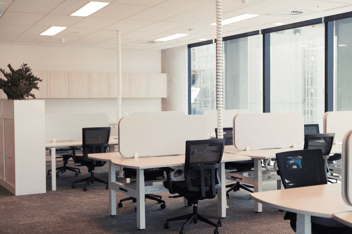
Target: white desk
point(320, 200)
point(345, 218)
point(140, 164)
point(59, 144)
point(258, 155)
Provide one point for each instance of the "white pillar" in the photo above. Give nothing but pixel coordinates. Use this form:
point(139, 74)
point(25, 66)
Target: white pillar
point(119, 75)
point(219, 69)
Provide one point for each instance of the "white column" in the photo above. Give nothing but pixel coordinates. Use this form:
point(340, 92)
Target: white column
point(219, 69)
point(119, 75)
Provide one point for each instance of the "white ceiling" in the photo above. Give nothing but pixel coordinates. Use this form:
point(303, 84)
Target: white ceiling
point(142, 21)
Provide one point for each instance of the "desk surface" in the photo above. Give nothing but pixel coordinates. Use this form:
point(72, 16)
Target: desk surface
point(50, 144)
point(345, 218)
point(319, 200)
point(155, 162)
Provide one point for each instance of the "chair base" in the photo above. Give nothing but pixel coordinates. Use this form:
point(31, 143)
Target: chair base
point(90, 180)
point(65, 168)
point(193, 218)
point(147, 196)
point(237, 186)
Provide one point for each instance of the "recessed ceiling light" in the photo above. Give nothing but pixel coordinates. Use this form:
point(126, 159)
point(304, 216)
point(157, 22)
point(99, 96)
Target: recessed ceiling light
point(341, 45)
point(279, 24)
point(237, 18)
point(168, 38)
point(90, 8)
point(202, 39)
point(52, 31)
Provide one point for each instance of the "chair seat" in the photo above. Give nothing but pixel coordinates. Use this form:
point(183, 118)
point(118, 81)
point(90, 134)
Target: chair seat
point(149, 174)
point(240, 165)
point(180, 187)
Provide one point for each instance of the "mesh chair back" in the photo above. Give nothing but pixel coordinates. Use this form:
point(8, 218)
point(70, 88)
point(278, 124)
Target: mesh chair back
point(301, 168)
point(201, 167)
point(319, 141)
point(95, 140)
point(228, 135)
point(311, 129)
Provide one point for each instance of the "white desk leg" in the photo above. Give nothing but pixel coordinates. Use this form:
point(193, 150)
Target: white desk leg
point(222, 203)
point(303, 225)
point(140, 199)
point(53, 169)
point(112, 193)
point(258, 207)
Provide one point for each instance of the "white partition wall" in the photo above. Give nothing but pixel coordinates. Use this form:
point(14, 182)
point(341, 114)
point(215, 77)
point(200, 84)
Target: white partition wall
point(164, 113)
point(338, 122)
point(22, 151)
point(268, 130)
point(69, 126)
point(159, 135)
point(347, 168)
point(228, 115)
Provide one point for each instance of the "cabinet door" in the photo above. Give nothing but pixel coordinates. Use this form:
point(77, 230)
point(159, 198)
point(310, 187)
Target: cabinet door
point(99, 85)
point(157, 85)
point(41, 93)
point(113, 85)
point(10, 151)
point(125, 85)
point(57, 84)
point(78, 83)
point(2, 134)
point(138, 85)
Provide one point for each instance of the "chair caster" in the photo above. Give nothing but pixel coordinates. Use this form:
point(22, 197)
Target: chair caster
point(134, 200)
point(107, 187)
point(163, 206)
point(76, 174)
point(112, 215)
point(135, 209)
point(85, 189)
point(166, 225)
point(182, 231)
point(227, 195)
point(119, 205)
point(219, 223)
point(216, 231)
point(73, 186)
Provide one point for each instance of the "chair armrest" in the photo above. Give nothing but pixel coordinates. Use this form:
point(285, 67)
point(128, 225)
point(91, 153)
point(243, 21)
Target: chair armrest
point(168, 171)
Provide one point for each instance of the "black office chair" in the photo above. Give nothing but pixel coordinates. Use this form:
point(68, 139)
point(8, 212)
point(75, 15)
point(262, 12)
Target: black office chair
point(66, 154)
point(239, 166)
point(202, 180)
point(149, 174)
point(95, 140)
point(311, 129)
point(306, 168)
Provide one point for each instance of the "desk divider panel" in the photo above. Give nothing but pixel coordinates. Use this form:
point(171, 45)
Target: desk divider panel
point(69, 126)
point(338, 122)
point(268, 130)
point(159, 135)
point(346, 162)
point(163, 113)
point(228, 115)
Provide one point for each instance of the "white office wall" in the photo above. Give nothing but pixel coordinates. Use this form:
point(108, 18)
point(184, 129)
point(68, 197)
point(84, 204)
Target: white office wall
point(175, 63)
point(91, 60)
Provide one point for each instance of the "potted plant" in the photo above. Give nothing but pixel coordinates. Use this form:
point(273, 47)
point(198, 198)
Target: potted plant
point(19, 83)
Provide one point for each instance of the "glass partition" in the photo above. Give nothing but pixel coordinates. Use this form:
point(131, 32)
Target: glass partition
point(297, 72)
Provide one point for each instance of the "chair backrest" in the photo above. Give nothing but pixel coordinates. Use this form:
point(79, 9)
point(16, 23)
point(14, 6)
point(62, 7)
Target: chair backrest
point(311, 129)
point(203, 159)
point(228, 135)
point(95, 140)
point(301, 168)
point(319, 141)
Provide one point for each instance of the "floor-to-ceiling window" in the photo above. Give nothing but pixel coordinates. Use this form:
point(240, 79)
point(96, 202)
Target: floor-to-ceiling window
point(243, 73)
point(343, 65)
point(297, 72)
point(203, 79)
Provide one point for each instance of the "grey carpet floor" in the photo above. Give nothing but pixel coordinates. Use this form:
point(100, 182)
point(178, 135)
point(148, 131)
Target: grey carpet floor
point(70, 210)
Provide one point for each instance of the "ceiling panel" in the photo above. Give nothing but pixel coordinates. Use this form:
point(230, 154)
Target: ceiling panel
point(130, 25)
point(320, 6)
point(56, 40)
point(88, 41)
point(77, 32)
point(95, 23)
point(119, 11)
point(31, 38)
point(342, 1)
point(20, 18)
point(141, 2)
point(68, 7)
point(157, 13)
point(191, 16)
point(36, 29)
point(107, 44)
point(230, 5)
point(34, 6)
point(259, 20)
point(7, 37)
point(104, 33)
point(186, 4)
point(160, 27)
point(17, 29)
point(59, 20)
point(136, 35)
